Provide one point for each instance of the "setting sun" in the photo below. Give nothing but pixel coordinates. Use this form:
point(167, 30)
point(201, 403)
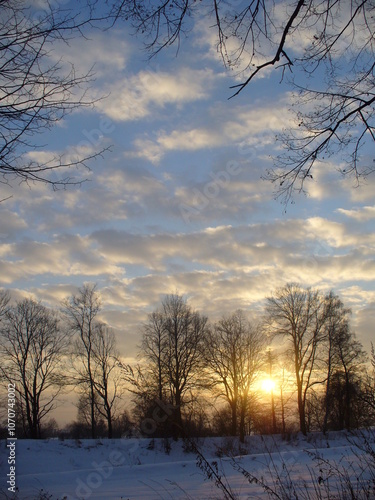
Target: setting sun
point(268, 385)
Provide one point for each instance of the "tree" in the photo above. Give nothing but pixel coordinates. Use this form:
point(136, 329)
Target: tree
point(328, 44)
point(123, 425)
point(106, 374)
point(95, 356)
point(36, 92)
point(154, 344)
point(233, 355)
point(185, 330)
point(336, 328)
point(270, 362)
point(82, 427)
point(32, 348)
point(297, 315)
point(345, 398)
point(369, 393)
point(81, 310)
point(172, 361)
point(148, 380)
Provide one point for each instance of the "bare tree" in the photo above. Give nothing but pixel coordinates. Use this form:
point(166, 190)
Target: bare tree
point(148, 380)
point(81, 312)
point(185, 330)
point(351, 359)
point(35, 91)
point(234, 353)
point(106, 375)
point(337, 322)
point(297, 315)
point(330, 44)
point(95, 357)
point(172, 360)
point(82, 427)
point(32, 347)
point(154, 341)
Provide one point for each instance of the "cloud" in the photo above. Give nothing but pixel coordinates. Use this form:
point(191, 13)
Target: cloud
point(253, 127)
point(231, 57)
point(11, 223)
point(211, 200)
point(293, 249)
point(103, 54)
point(137, 96)
point(64, 255)
point(113, 194)
point(328, 232)
point(360, 214)
point(305, 250)
point(219, 268)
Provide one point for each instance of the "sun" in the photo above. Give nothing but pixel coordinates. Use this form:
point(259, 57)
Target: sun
point(268, 385)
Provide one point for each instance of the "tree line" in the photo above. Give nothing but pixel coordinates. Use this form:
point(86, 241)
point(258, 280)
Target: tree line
point(193, 376)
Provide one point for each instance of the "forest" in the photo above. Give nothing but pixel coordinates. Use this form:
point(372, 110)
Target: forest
point(298, 366)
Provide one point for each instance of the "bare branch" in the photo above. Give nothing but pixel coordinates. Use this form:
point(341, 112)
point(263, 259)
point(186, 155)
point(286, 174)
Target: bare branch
point(36, 92)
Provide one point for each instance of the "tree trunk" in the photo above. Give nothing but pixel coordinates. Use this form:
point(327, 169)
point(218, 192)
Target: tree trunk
point(242, 422)
point(274, 426)
point(177, 417)
point(93, 421)
point(109, 423)
point(348, 397)
point(325, 422)
point(301, 411)
point(328, 388)
point(234, 418)
point(282, 413)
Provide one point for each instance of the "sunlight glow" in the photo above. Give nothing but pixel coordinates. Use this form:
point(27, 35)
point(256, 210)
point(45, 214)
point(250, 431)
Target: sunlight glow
point(268, 385)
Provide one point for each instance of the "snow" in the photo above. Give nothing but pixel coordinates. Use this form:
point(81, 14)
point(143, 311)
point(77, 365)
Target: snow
point(141, 468)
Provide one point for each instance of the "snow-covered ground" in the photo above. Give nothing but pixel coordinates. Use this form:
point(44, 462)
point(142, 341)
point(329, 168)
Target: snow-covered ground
point(141, 468)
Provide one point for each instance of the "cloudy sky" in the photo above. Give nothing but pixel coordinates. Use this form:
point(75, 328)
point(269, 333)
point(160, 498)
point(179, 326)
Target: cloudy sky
point(178, 203)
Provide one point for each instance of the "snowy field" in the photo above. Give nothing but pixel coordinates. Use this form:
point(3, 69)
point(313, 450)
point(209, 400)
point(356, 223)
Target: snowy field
point(142, 469)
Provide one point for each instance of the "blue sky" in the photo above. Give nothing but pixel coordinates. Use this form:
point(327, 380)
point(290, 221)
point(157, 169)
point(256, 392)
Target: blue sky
point(178, 204)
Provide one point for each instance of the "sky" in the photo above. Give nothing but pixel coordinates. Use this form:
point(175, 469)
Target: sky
point(178, 204)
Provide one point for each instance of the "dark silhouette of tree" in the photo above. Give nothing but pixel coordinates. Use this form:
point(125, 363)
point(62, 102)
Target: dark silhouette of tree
point(185, 330)
point(140, 380)
point(329, 45)
point(94, 356)
point(35, 91)
point(106, 375)
point(347, 409)
point(345, 394)
point(32, 347)
point(80, 311)
point(154, 343)
point(297, 315)
point(233, 356)
point(82, 427)
point(171, 352)
point(336, 328)
point(123, 425)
